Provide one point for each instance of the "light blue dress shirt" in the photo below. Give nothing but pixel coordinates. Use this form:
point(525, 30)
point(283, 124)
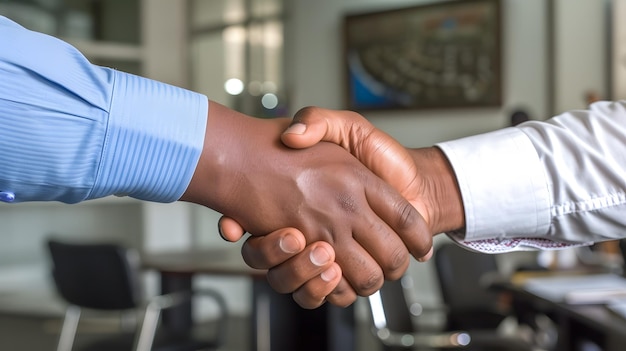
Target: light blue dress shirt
point(72, 131)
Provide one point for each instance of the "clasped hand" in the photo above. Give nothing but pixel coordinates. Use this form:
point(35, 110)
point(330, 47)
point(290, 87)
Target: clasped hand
point(339, 205)
point(297, 270)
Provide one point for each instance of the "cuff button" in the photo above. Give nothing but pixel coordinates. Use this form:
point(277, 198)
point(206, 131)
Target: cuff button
point(7, 196)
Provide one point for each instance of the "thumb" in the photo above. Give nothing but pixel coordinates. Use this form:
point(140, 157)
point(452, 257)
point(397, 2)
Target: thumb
point(311, 125)
point(379, 152)
point(229, 229)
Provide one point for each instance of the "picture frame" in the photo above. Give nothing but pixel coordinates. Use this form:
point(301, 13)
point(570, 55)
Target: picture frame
point(441, 55)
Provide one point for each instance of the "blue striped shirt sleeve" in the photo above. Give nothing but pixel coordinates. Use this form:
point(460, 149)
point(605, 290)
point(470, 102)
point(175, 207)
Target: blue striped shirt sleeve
point(72, 131)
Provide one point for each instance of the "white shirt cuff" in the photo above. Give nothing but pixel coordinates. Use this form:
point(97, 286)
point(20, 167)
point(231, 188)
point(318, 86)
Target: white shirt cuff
point(502, 183)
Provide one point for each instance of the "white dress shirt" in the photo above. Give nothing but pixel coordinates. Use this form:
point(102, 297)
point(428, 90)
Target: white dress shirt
point(546, 184)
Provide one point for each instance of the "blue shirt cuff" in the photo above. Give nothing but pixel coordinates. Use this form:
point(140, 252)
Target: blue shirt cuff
point(154, 139)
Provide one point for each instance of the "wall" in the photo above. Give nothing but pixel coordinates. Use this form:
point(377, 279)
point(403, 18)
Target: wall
point(618, 58)
point(581, 52)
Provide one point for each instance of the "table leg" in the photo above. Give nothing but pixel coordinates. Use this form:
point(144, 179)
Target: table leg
point(279, 324)
point(341, 328)
point(179, 317)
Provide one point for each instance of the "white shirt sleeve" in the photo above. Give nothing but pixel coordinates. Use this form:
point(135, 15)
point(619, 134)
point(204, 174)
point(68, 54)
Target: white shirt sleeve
point(544, 185)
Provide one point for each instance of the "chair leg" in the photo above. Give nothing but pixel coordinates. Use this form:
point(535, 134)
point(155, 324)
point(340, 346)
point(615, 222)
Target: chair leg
point(145, 337)
point(68, 331)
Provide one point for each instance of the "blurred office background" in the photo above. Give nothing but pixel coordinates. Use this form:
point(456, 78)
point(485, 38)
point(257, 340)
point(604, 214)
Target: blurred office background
point(269, 58)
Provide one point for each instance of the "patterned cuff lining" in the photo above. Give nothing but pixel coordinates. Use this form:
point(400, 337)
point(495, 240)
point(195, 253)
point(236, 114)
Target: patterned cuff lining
point(494, 246)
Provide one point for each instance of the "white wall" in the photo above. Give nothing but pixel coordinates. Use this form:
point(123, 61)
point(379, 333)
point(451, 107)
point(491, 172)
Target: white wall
point(581, 52)
point(618, 59)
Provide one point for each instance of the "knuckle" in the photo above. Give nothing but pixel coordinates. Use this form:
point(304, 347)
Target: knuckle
point(341, 297)
point(253, 256)
point(278, 283)
point(422, 248)
point(347, 202)
point(398, 263)
point(306, 301)
point(304, 112)
point(407, 216)
point(372, 282)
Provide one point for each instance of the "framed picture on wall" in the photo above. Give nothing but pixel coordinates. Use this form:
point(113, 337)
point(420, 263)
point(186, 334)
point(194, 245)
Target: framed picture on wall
point(441, 55)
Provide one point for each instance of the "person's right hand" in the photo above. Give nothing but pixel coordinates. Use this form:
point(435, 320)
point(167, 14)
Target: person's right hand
point(246, 173)
point(389, 160)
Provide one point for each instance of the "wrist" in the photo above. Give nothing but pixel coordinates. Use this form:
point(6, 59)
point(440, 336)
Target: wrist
point(440, 193)
point(235, 145)
point(219, 165)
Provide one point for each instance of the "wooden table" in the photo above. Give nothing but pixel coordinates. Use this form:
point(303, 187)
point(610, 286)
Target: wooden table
point(575, 322)
point(277, 322)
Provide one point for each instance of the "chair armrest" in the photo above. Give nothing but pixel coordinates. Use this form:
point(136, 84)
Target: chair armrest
point(457, 339)
point(161, 302)
point(220, 335)
point(493, 340)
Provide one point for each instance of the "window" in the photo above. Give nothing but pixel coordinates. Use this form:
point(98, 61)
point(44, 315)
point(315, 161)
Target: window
point(237, 54)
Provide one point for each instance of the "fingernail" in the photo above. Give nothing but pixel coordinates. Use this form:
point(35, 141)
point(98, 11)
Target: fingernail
point(320, 256)
point(289, 244)
point(296, 128)
point(329, 275)
point(428, 256)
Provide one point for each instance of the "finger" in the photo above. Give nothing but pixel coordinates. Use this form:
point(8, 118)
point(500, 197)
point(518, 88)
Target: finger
point(427, 257)
point(362, 271)
point(343, 295)
point(229, 229)
point(295, 272)
point(313, 293)
point(263, 252)
point(403, 219)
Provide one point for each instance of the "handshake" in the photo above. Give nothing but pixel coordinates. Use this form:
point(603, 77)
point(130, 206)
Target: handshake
point(348, 218)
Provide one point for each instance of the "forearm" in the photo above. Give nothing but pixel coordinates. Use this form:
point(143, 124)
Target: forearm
point(584, 161)
point(74, 131)
point(230, 158)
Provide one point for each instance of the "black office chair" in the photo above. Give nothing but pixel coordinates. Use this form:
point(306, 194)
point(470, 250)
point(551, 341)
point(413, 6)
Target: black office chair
point(106, 277)
point(465, 279)
point(394, 325)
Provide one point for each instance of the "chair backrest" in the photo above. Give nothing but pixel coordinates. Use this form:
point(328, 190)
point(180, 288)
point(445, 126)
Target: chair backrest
point(461, 274)
point(98, 276)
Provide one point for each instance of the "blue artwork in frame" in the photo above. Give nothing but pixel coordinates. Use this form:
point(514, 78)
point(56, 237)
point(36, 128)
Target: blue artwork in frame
point(440, 55)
